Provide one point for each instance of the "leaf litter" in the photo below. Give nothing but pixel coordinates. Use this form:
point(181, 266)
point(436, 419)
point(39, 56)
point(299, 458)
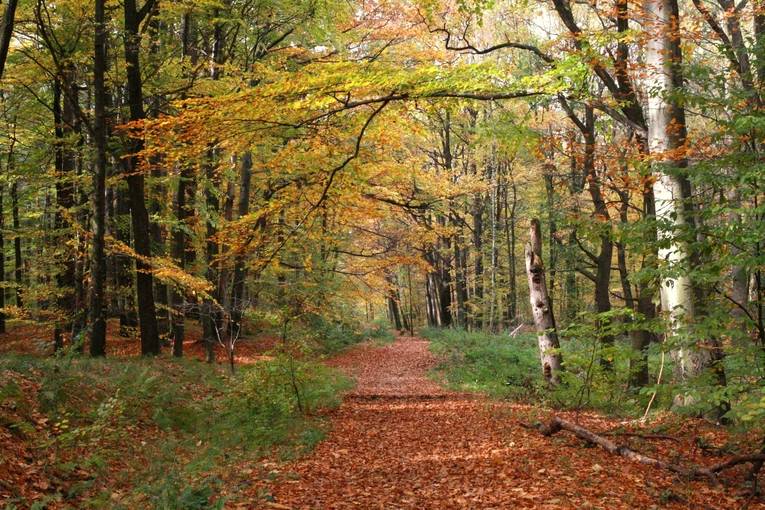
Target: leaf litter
point(400, 441)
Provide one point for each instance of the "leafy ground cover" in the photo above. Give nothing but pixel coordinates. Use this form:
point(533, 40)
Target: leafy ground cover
point(130, 432)
point(161, 433)
point(402, 441)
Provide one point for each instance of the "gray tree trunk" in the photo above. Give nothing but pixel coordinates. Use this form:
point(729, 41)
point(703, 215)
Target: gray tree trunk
point(666, 138)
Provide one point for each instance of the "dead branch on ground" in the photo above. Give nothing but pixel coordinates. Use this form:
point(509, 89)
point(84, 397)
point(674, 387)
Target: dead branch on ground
point(710, 472)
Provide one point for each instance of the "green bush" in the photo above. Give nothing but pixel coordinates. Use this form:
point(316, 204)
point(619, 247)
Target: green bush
point(174, 493)
point(379, 331)
point(509, 367)
point(331, 336)
point(283, 386)
point(497, 364)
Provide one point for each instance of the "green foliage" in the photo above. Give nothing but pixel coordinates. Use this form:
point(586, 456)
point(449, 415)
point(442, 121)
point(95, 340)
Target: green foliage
point(502, 366)
point(177, 422)
point(174, 493)
point(278, 389)
point(597, 354)
point(332, 335)
point(506, 367)
point(378, 331)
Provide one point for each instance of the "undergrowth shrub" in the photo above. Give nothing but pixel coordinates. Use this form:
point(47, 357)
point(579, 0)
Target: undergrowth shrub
point(174, 492)
point(497, 364)
point(176, 423)
point(378, 331)
point(509, 367)
point(326, 336)
point(596, 374)
point(283, 386)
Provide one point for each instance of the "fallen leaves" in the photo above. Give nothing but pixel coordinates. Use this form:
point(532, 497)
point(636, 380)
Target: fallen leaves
point(401, 441)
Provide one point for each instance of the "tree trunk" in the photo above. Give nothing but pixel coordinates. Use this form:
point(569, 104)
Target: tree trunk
point(238, 304)
point(642, 302)
point(2, 261)
point(156, 198)
point(411, 303)
point(178, 253)
point(135, 179)
point(739, 273)
point(495, 213)
point(18, 261)
point(6, 32)
point(393, 304)
point(477, 313)
point(550, 188)
point(544, 320)
point(431, 301)
point(123, 267)
point(178, 247)
point(510, 240)
point(443, 284)
point(666, 133)
point(460, 280)
point(100, 143)
point(605, 256)
point(212, 317)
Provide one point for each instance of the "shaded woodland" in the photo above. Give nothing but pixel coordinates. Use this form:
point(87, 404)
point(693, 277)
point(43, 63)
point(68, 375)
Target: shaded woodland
point(256, 166)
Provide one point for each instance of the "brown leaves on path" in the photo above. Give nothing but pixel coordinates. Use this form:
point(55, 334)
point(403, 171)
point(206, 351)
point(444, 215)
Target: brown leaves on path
point(400, 441)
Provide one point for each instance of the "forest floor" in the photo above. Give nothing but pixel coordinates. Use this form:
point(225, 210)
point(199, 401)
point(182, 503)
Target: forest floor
point(400, 441)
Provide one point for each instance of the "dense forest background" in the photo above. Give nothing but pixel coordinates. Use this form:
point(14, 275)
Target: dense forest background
point(291, 166)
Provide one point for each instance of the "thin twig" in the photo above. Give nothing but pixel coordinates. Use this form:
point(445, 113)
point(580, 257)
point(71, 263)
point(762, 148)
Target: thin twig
point(658, 382)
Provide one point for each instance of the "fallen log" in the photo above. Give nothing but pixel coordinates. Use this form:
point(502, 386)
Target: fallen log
point(665, 437)
point(557, 424)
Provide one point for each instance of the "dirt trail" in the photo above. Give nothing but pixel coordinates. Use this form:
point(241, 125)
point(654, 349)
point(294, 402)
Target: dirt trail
point(399, 441)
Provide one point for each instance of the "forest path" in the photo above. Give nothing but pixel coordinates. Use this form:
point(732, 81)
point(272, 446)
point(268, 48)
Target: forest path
point(399, 441)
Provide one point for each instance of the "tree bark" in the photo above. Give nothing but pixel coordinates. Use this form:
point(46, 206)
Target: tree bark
point(18, 261)
point(510, 240)
point(557, 424)
point(123, 270)
point(6, 32)
point(211, 319)
point(178, 253)
point(669, 189)
point(393, 304)
point(544, 320)
point(2, 260)
point(240, 270)
point(477, 309)
point(667, 140)
point(100, 143)
point(602, 219)
point(147, 317)
point(460, 279)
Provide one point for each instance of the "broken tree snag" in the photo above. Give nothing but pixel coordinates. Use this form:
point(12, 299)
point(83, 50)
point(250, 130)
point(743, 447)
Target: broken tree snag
point(541, 309)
